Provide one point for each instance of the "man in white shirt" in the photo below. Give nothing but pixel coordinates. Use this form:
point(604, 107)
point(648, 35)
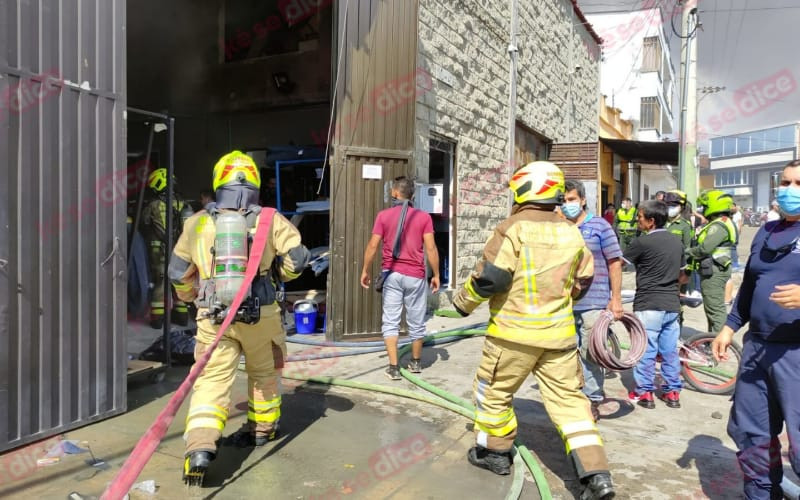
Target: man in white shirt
point(774, 214)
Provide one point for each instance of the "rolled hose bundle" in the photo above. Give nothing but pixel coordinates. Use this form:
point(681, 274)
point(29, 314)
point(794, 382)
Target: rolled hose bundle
point(598, 342)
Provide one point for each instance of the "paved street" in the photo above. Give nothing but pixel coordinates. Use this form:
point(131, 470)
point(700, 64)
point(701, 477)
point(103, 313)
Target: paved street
point(342, 441)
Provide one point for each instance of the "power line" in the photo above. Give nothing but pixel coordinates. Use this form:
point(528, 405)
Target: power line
point(735, 44)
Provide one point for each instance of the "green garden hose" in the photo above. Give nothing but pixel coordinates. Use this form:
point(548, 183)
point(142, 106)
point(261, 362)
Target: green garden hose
point(448, 401)
point(522, 451)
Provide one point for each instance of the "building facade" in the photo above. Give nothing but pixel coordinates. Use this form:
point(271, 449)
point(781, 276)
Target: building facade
point(748, 164)
point(638, 78)
point(462, 123)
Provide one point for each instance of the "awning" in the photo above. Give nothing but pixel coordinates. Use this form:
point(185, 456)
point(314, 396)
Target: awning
point(659, 153)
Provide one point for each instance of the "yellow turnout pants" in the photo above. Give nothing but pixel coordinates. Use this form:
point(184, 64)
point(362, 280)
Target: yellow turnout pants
point(264, 347)
point(504, 367)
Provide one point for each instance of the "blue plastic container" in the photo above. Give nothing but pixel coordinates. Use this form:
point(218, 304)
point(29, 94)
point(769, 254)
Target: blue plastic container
point(305, 316)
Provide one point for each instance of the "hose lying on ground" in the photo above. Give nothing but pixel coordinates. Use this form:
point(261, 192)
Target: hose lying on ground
point(444, 400)
point(522, 451)
point(302, 339)
point(599, 342)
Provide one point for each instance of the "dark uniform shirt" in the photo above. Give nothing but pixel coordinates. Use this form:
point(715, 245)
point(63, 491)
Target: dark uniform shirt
point(765, 269)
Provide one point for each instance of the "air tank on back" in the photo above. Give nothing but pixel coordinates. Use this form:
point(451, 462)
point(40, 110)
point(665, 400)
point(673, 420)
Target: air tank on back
point(230, 256)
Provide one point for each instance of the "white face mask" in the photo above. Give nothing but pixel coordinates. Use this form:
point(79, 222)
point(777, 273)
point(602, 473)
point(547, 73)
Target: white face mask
point(673, 211)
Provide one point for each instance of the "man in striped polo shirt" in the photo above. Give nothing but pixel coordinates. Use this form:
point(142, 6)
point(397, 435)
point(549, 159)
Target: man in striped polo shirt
point(605, 291)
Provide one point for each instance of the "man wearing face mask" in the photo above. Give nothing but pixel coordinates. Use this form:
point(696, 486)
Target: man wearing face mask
point(625, 223)
point(765, 397)
point(605, 290)
point(676, 224)
point(712, 256)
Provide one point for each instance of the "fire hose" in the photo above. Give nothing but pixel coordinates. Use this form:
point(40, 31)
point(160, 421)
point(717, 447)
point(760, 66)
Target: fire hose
point(601, 336)
point(122, 482)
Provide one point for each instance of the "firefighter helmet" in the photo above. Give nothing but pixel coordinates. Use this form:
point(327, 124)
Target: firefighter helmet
point(675, 197)
point(715, 202)
point(539, 182)
point(157, 181)
point(236, 167)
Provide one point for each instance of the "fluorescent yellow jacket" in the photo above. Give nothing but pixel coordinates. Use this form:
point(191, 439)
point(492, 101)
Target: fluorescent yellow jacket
point(531, 267)
point(626, 219)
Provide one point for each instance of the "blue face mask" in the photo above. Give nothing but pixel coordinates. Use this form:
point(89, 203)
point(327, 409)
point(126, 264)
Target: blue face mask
point(789, 200)
point(571, 209)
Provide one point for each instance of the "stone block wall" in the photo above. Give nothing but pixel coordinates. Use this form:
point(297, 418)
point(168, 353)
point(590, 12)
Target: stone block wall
point(463, 45)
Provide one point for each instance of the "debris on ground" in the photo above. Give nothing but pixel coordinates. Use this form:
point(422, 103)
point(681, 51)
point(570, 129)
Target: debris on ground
point(148, 486)
point(716, 415)
point(65, 447)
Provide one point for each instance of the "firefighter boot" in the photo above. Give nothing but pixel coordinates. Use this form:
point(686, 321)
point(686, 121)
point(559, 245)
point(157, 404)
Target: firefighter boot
point(246, 437)
point(180, 314)
point(597, 487)
point(497, 462)
point(195, 466)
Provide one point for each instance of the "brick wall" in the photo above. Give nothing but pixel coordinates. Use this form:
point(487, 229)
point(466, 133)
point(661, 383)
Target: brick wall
point(463, 45)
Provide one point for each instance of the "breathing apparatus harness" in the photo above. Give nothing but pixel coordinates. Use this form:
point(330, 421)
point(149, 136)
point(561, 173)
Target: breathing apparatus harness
point(233, 245)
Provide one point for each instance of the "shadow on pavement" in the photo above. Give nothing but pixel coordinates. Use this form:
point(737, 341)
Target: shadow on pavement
point(307, 404)
point(719, 478)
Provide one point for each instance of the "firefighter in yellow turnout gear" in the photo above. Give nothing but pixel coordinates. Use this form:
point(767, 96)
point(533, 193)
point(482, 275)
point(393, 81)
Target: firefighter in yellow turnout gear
point(533, 266)
point(712, 256)
point(236, 185)
point(154, 232)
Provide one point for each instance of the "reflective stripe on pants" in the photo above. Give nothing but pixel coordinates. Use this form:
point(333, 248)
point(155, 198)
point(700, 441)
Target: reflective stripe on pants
point(504, 367)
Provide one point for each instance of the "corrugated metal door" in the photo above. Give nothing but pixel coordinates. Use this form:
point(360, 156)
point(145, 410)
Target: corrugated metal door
point(63, 184)
point(375, 110)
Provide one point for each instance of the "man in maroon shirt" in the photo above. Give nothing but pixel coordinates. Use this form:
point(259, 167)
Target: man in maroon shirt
point(404, 271)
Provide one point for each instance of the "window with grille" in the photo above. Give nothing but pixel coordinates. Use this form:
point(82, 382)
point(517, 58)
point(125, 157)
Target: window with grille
point(650, 113)
point(651, 54)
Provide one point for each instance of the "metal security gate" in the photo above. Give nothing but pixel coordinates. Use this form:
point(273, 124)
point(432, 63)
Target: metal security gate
point(375, 111)
point(63, 187)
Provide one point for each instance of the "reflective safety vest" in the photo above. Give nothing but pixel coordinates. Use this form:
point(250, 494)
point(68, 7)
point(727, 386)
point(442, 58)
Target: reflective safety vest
point(626, 219)
point(722, 255)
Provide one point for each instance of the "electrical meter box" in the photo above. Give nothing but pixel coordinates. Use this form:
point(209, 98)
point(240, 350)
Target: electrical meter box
point(430, 197)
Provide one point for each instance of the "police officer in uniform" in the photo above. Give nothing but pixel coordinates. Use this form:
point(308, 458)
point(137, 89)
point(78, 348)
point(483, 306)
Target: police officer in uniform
point(236, 186)
point(625, 222)
point(711, 258)
point(676, 223)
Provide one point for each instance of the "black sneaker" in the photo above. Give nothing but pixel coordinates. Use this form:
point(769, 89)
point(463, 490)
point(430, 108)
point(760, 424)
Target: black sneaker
point(393, 372)
point(598, 487)
point(415, 366)
point(499, 463)
point(195, 466)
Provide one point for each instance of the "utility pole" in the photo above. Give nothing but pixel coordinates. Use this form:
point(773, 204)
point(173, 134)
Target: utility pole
point(688, 179)
point(513, 50)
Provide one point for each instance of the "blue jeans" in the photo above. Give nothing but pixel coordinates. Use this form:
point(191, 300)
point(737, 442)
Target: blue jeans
point(593, 374)
point(663, 331)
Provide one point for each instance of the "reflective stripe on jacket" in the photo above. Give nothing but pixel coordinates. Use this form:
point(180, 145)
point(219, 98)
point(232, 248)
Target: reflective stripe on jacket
point(722, 254)
point(190, 265)
point(527, 274)
point(626, 219)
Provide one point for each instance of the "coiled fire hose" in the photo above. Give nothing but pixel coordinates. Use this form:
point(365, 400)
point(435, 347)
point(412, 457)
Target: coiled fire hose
point(601, 337)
